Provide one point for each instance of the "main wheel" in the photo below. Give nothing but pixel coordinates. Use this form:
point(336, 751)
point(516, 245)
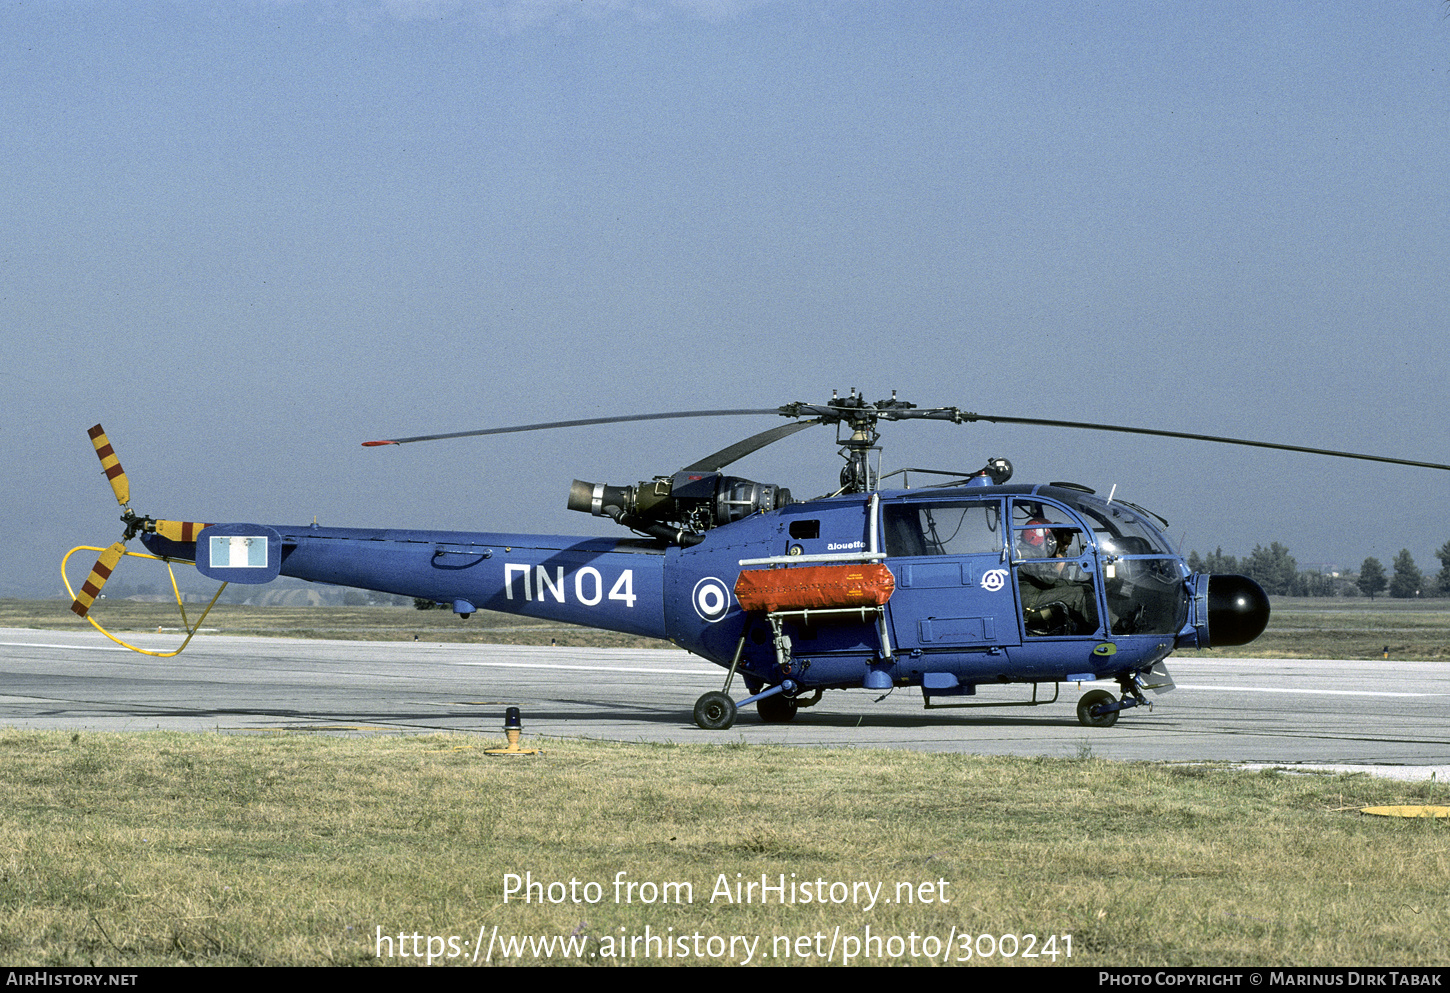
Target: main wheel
point(1085, 707)
point(715, 711)
point(776, 709)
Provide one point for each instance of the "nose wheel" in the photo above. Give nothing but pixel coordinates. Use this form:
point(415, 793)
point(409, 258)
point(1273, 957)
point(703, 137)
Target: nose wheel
point(1090, 712)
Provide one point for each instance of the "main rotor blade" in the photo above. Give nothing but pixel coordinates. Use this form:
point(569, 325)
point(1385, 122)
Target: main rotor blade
point(965, 416)
point(722, 458)
point(573, 424)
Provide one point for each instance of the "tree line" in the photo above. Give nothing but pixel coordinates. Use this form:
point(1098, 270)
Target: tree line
point(1275, 570)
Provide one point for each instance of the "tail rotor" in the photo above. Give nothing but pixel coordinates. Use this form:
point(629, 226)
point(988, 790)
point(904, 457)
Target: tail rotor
point(111, 466)
point(181, 531)
point(91, 588)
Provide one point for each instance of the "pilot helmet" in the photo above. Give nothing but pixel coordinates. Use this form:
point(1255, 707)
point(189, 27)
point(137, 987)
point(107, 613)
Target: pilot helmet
point(1038, 541)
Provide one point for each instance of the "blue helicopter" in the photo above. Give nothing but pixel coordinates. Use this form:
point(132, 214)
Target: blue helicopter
point(968, 582)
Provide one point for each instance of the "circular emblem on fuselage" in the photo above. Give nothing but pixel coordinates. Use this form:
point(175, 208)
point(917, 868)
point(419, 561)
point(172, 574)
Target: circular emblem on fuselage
point(994, 579)
point(711, 599)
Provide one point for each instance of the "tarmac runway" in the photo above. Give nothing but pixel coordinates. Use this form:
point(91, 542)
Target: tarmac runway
point(1391, 716)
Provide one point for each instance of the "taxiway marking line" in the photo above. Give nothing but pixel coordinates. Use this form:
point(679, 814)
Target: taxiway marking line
point(704, 670)
point(712, 670)
point(1284, 689)
point(84, 648)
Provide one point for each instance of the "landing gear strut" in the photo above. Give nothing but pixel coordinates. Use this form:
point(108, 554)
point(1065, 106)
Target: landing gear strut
point(1098, 709)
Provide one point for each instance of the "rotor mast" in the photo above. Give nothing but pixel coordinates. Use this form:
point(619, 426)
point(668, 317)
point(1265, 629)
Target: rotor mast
point(859, 418)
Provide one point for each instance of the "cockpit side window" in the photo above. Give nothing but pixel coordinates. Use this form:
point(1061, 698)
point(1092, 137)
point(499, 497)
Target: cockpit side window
point(1042, 531)
point(1056, 588)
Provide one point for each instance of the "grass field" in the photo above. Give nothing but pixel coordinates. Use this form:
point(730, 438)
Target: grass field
point(160, 848)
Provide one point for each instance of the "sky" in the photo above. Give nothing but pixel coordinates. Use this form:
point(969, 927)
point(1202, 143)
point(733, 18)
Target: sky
point(247, 236)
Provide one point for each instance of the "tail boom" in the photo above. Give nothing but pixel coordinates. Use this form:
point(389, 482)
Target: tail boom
point(596, 582)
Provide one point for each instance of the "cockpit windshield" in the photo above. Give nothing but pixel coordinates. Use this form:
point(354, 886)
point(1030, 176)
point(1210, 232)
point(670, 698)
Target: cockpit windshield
point(1142, 577)
point(1121, 530)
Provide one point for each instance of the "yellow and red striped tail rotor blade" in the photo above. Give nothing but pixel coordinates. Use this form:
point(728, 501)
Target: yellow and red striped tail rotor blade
point(105, 565)
point(179, 530)
point(111, 465)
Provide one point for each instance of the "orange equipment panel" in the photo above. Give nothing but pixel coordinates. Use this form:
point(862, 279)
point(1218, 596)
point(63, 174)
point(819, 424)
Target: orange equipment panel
point(818, 587)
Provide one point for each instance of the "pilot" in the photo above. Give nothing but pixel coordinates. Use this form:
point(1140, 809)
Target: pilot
point(1052, 603)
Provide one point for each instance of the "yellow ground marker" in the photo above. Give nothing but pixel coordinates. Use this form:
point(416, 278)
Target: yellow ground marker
point(1407, 810)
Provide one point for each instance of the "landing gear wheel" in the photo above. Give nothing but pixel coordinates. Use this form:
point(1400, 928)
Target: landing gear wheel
point(776, 709)
point(1088, 702)
point(715, 711)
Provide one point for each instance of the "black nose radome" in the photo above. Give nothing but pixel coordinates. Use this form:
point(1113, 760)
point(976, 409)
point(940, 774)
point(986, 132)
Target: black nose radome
point(1238, 610)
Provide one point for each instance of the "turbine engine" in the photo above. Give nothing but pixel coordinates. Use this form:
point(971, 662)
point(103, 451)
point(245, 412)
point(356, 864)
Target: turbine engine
point(694, 502)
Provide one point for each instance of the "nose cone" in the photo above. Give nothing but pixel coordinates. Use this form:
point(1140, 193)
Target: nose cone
point(1238, 610)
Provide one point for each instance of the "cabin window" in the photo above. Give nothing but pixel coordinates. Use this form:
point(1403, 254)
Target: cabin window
point(805, 529)
point(947, 528)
